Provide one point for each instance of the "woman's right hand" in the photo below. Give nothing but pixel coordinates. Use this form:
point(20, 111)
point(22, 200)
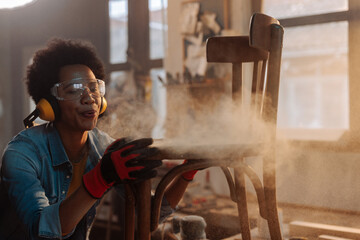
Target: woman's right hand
point(124, 161)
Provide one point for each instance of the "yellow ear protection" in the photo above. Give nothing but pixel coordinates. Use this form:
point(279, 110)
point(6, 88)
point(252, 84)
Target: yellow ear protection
point(103, 107)
point(48, 109)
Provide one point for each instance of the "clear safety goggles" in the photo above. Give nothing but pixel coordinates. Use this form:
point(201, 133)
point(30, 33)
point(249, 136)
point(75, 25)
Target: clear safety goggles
point(74, 89)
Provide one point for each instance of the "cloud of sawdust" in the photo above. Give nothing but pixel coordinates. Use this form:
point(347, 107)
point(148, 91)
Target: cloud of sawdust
point(211, 122)
point(126, 117)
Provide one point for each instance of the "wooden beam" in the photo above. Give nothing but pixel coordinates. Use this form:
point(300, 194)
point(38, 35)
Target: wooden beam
point(316, 19)
point(310, 229)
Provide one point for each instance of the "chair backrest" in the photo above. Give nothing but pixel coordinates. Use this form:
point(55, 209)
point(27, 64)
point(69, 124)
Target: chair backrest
point(263, 48)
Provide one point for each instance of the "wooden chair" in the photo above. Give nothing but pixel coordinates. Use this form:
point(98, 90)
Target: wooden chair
point(262, 48)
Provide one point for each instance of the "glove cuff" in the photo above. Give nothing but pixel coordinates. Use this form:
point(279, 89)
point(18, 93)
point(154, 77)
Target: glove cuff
point(189, 176)
point(94, 183)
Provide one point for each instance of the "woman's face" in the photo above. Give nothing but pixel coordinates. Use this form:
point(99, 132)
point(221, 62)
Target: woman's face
point(80, 114)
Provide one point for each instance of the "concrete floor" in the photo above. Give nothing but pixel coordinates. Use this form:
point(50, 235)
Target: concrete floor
point(220, 214)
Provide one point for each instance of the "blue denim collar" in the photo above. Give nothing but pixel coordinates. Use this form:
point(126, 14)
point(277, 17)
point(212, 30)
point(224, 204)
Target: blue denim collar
point(57, 151)
point(95, 152)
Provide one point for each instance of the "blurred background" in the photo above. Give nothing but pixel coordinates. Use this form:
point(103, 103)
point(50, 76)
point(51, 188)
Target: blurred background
point(154, 49)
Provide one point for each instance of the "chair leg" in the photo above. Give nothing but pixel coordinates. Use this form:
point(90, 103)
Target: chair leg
point(143, 202)
point(129, 214)
point(270, 196)
point(272, 214)
point(109, 221)
point(242, 204)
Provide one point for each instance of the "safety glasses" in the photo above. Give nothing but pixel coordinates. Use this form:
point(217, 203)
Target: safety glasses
point(75, 88)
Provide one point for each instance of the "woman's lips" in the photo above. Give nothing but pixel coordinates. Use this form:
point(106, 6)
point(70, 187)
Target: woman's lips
point(89, 114)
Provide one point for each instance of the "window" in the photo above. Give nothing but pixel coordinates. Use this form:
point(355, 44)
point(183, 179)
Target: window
point(158, 28)
point(138, 32)
point(138, 40)
point(14, 3)
point(118, 13)
point(295, 8)
point(314, 89)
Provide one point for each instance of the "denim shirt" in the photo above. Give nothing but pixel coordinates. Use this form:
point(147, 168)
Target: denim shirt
point(35, 177)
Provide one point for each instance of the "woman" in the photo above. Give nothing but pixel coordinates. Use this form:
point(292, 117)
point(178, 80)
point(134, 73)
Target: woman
point(54, 174)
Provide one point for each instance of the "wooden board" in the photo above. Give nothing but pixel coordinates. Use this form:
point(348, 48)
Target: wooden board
point(328, 237)
point(310, 229)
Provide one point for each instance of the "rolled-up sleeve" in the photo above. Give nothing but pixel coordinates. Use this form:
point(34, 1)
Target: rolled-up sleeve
point(49, 223)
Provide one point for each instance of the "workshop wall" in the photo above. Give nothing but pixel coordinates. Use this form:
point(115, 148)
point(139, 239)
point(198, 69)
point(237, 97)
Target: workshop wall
point(5, 82)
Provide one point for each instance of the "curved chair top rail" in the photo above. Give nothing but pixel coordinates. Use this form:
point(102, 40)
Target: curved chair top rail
point(260, 32)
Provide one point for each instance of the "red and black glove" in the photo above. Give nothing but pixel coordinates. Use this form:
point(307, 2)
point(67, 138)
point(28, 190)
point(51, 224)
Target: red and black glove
point(123, 162)
point(189, 176)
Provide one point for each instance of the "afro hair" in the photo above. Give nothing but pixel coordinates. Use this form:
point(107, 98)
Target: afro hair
point(44, 70)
